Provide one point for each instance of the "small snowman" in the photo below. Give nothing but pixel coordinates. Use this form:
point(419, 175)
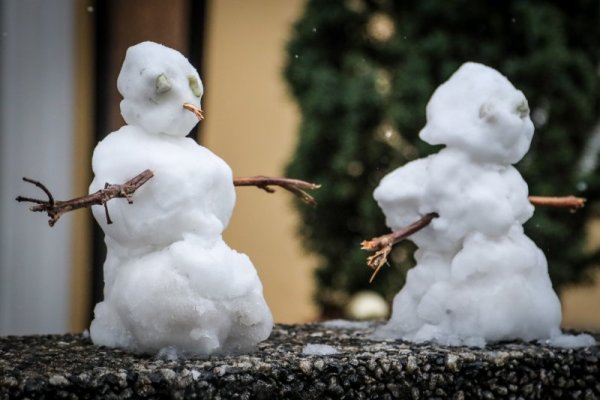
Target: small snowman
point(478, 277)
point(171, 282)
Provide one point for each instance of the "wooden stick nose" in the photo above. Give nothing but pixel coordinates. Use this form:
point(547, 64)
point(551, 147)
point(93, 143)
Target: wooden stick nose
point(195, 109)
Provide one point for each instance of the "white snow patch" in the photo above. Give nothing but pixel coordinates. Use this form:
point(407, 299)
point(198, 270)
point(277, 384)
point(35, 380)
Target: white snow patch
point(319, 350)
point(345, 324)
point(570, 341)
point(168, 353)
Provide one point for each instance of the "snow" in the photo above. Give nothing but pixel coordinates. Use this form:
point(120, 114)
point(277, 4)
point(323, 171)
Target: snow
point(571, 341)
point(318, 350)
point(168, 353)
point(478, 278)
point(155, 81)
point(171, 282)
point(345, 324)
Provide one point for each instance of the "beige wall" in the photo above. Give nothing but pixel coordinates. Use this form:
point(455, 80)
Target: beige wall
point(581, 304)
point(251, 123)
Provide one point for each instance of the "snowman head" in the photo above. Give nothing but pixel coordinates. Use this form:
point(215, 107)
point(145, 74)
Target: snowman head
point(480, 112)
point(155, 82)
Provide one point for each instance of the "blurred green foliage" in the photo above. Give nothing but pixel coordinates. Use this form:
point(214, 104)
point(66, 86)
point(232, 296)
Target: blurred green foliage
point(362, 72)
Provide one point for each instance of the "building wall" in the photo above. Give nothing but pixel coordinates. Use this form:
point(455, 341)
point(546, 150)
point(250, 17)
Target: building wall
point(36, 141)
point(251, 122)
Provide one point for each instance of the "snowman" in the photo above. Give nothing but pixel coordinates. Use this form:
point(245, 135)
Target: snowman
point(478, 277)
point(171, 282)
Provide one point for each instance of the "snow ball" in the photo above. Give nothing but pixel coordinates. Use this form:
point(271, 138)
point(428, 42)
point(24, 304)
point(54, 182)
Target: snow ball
point(481, 112)
point(318, 350)
point(155, 81)
point(191, 191)
point(367, 305)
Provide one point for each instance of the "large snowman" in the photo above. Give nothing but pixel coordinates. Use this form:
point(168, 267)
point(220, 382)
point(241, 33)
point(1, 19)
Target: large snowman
point(478, 277)
point(170, 279)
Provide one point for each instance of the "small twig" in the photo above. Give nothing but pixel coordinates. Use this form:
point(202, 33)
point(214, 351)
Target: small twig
point(55, 209)
point(195, 109)
point(294, 186)
point(570, 202)
point(382, 245)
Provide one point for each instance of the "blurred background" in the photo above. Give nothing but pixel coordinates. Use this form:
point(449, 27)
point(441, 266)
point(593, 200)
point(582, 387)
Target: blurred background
point(273, 71)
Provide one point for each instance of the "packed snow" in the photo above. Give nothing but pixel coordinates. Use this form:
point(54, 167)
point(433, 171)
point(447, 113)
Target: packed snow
point(570, 341)
point(171, 282)
point(478, 277)
point(312, 349)
point(345, 324)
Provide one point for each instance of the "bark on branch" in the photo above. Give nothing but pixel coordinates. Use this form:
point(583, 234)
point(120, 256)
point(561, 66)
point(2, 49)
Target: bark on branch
point(382, 245)
point(295, 186)
point(570, 202)
point(55, 209)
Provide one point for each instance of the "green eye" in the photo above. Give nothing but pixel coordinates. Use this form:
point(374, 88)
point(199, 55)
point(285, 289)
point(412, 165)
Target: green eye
point(162, 84)
point(523, 109)
point(193, 83)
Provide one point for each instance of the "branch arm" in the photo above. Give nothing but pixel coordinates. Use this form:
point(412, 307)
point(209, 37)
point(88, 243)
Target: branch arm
point(55, 209)
point(382, 245)
point(295, 186)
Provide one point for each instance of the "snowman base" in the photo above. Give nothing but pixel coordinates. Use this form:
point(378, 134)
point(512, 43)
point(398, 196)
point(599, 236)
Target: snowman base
point(290, 364)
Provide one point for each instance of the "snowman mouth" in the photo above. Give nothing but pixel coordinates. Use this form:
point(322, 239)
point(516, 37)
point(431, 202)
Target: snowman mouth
point(195, 109)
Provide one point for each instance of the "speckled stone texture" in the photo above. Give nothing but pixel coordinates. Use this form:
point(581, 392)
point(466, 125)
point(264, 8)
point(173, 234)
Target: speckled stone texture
point(70, 366)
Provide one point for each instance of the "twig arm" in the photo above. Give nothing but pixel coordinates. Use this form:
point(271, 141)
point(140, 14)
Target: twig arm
point(55, 209)
point(295, 186)
point(571, 202)
point(382, 245)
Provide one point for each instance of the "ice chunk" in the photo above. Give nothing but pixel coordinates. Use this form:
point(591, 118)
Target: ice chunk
point(345, 324)
point(319, 350)
point(571, 341)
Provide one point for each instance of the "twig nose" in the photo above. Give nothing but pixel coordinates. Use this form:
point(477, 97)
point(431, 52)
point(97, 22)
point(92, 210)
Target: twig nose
point(195, 109)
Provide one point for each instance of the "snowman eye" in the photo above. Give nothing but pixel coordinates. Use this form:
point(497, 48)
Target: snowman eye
point(193, 83)
point(162, 84)
point(487, 111)
point(523, 109)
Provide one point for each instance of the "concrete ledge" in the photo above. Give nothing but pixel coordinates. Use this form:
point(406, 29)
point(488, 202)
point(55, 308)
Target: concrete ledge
point(69, 366)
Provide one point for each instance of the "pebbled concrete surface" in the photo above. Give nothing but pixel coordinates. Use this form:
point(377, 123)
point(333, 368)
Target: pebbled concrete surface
point(71, 367)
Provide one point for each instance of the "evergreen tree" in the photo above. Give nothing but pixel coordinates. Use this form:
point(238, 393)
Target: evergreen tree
point(362, 72)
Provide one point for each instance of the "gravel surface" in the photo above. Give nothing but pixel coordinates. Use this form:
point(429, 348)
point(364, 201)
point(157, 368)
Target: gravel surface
point(70, 366)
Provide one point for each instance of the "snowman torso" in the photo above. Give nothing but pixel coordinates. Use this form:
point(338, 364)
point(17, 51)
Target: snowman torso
point(191, 191)
point(469, 197)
